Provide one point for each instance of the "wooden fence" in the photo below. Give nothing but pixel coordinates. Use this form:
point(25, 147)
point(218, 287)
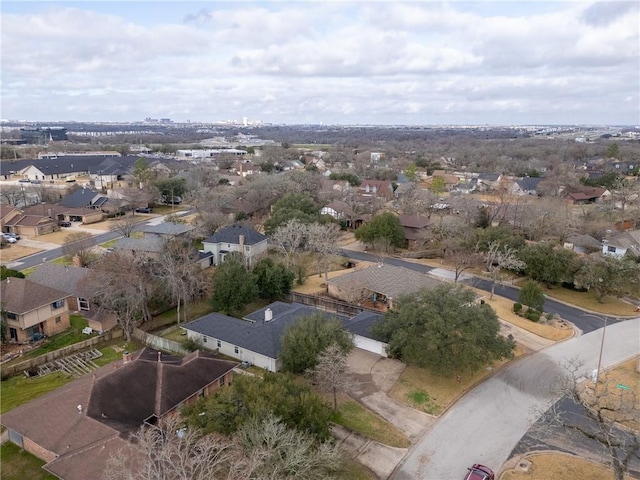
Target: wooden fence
point(16, 368)
point(326, 303)
point(159, 343)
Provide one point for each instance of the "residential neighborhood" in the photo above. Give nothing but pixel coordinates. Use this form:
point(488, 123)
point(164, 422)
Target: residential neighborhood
point(425, 286)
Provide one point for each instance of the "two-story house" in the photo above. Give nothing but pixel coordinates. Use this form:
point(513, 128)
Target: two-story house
point(236, 238)
point(31, 310)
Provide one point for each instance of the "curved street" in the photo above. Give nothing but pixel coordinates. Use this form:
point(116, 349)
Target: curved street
point(487, 423)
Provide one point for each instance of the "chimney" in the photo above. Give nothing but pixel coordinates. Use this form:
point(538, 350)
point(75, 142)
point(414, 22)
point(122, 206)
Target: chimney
point(268, 315)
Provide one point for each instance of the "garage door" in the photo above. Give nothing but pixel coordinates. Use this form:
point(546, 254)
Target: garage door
point(370, 345)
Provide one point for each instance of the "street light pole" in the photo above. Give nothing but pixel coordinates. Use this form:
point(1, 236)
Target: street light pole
point(604, 331)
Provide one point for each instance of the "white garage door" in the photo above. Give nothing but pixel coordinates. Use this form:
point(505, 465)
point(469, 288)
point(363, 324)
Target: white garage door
point(370, 345)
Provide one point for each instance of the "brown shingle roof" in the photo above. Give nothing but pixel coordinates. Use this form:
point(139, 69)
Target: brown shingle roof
point(20, 295)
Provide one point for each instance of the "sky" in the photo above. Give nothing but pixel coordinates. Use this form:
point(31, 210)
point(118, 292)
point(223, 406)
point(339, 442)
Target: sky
point(322, 62)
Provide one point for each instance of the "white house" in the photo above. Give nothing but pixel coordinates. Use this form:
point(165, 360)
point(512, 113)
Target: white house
point(627, 243)
point(236, 238)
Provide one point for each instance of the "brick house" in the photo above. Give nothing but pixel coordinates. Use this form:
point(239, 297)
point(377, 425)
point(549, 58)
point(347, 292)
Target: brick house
point(30, 310)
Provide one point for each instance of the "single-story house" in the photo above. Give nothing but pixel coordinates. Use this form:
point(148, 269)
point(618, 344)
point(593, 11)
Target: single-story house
point(236, 238)
point(30, 310)
point(587, 195)
point(525, 186)
point(360, 326)
point(582, 244)
point(626, 243)
point(257, 338)
point(378, 285)
point(77, 427)
point(70, 214)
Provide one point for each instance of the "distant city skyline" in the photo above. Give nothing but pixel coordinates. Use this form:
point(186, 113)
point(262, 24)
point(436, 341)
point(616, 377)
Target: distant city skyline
point(322, 62)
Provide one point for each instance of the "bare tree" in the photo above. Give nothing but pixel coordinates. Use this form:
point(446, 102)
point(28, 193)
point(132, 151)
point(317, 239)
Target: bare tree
point(125, 225)
point(323, 241)
point(607, 412)
point(14, 195)
point(330, 372)
point(79, 245)
point(496, 259)
point(289, 240)
point(177, 270)
point(461, 258)
point(624, 191)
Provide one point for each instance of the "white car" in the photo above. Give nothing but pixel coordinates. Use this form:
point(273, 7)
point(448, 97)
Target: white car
point(9, 238)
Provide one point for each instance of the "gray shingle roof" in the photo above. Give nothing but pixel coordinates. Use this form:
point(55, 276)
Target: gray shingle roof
point(20, 295)
point(386, 279)
point(361, 324)
point(231, 234)
point(168, 228)
point(150, 244)
point(254, 333)
point(61, 277)
point(80, 198)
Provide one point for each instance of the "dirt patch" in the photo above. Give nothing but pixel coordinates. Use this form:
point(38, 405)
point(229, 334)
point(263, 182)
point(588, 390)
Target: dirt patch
point(316, 284)
point(11, 253)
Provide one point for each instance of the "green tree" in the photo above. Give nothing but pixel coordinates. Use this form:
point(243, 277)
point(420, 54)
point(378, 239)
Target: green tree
point(385, 226)
point(293, 206)
point(9, 272)
point(411, 172)
point(304, 341)
point(613, 151)
point(437, 185)
point(280, 394)
point(444, 330)
point(352, 178)
point(549, 263)
point(273, 279)
point(608, 275)
point(532, 296)
point(482, 238)
point(173, 187)
point(234, 286)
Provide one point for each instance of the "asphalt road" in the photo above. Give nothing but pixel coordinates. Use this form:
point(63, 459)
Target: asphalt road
point(487, 423)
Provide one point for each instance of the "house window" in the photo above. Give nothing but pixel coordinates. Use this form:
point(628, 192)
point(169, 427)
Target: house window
point(58, 319)
point(611, 249)
point(219, 344)
point(83, 303)
point(204, 339)
point(12, 316)
point(236, 349)
point(58, 304)
point(221, 381)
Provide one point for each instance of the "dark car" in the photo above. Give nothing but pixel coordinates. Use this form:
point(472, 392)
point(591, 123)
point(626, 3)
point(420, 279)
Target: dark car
point(144, 210)
point(479, 472)
point(64, 224)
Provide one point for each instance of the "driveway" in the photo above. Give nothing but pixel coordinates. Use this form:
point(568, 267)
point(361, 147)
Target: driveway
point(372, 377)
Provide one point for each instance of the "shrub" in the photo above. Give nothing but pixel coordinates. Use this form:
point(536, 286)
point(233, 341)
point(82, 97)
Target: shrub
point(532, 315)
point(192, 344)
point(517, 307)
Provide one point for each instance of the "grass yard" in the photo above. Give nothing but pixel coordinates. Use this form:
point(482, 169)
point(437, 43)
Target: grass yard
point(19, 465)
point(357, 418)
point(20, 389)
point(354, 470)
point(589, 301)
point(546, 466)
point(432, 394)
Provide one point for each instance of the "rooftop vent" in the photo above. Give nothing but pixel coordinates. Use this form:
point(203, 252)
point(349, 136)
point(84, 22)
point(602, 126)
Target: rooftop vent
point(268, 315)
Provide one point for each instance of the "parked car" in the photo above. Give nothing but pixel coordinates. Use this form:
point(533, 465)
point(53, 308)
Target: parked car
point(9, 239)
point(64, 224)
point(24, 180)
point(13, 235)
point(175, 200)
point(144, 210)
point(479, 472)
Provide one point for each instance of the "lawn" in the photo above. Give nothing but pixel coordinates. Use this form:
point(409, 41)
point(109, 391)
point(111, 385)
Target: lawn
point(353, 470)
point(358, 419)
point(19, 465)
point(556, 465)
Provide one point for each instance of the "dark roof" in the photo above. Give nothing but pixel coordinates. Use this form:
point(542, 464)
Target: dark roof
point(126, 395)
point(61, 277)
point(489, 177)
point(168, 228)
point(73, 164)
point(254, 333)
point(231, 234)
point(82, 197)
point(361, 324)
point(20, 295)
point(529, 184)
point(414, 221)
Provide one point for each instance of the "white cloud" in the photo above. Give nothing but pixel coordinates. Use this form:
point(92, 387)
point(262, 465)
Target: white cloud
point(378, 62)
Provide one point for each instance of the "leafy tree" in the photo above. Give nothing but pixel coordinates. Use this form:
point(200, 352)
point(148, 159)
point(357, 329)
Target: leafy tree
point(384, 226)
point(608, 275)
point(280, 394)
point(549, 263)
point(304, 340)
point(273, 279)
point(532, 296)
point(299, 206)
point(411, 172)
point(173, 187)
point(482, 238)
point(443, 330)
point(234, 286)
point(9, 272)
point(353, 179)
point(437, 185)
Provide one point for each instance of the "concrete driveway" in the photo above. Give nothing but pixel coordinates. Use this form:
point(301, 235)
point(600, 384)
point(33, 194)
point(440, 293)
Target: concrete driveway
point(372, 377)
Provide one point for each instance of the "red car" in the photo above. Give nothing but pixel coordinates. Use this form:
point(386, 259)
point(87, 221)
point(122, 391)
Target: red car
point(480, 472)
